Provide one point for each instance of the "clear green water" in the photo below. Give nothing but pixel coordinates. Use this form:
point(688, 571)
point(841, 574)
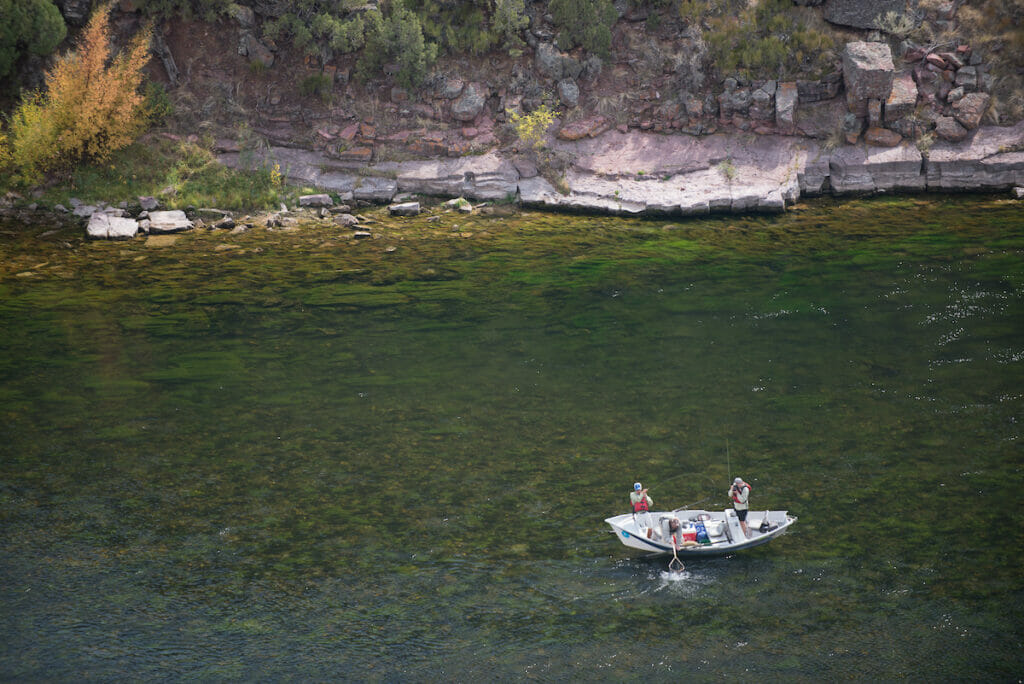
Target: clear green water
point(308, 458)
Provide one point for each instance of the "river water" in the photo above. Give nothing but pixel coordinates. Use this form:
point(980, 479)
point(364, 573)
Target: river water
point(288, 455)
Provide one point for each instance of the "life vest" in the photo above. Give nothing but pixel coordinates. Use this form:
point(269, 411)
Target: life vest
point(641, 505)
point(735, 496)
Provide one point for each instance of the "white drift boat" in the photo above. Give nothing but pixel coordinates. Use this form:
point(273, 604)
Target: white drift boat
point(697, 533)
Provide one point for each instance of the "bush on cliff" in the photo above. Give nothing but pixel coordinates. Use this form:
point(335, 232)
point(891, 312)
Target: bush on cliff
point(585, 23)
point(768, 39)
point(396, 38)
point(91, 106)
point(508, 22)
point(458, 28)
point(208, 10)
point(532, 128)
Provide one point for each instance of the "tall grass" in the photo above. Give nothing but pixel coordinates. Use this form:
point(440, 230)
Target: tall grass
point(179, 173)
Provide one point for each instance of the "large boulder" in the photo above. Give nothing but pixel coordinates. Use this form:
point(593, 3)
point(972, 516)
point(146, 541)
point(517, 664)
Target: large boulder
point(735, 100)
point(762, 102)
point(967, 78)
point(104, 226)
point(147, 203)
point(468, 105)
point(251, 47)
point(75, 12)
point(823, 89)
point(902, 98)
point(882, 137)
point(969, 109)
point(568, 92)
point(245, 16)
point(549, 61)
point(168, 221)
point(587, 128)
point(868, 73)
point(949, 129)
point(451, 88)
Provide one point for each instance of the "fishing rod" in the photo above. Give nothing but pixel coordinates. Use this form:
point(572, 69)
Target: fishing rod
point(683, 508)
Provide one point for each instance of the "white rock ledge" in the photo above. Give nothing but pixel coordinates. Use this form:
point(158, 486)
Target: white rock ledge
point(638, 173)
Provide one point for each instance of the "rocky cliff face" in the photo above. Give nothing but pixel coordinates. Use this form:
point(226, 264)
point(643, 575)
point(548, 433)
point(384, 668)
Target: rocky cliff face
point(882, 90)
point(627, 139)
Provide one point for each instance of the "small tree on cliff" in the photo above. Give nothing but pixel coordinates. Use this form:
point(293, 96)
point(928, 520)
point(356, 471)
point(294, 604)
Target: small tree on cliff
point(91, 105)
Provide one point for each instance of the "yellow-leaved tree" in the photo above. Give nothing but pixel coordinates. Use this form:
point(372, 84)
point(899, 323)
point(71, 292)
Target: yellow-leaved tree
point(90, 107)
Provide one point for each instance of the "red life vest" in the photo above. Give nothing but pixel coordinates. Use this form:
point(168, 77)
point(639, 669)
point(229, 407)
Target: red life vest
point(640, 505)
point(742, 485)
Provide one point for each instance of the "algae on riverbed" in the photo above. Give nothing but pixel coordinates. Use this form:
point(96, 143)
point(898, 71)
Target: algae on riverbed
point(347, 457)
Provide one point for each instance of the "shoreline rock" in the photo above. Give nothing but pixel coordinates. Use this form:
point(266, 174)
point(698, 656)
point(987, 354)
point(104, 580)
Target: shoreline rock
point(629, 173)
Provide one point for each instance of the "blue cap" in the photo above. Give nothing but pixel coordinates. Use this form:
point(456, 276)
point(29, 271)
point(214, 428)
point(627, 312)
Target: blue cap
point(637, 487)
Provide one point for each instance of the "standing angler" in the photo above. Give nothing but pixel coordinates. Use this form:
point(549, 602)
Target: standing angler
point(740, 494)
point(641, 502)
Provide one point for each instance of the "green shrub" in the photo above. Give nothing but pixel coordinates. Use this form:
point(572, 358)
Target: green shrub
point(158, 104)
point(208, 10)
point(318, 85)
point(766, 40)
point(341, 35)
point(292, 28)
point(585, 23)
point(456, 27)
point(397, 38)
point(28, 27)
point(508, 22)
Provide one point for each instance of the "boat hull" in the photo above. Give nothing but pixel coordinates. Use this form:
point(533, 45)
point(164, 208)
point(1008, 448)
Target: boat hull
point(649, 532)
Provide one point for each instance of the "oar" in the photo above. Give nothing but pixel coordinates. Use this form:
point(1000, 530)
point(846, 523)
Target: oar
point(672, 564)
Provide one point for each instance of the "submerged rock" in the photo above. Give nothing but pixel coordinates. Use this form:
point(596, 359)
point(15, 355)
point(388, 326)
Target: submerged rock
point(322, 200)
point(405, 209)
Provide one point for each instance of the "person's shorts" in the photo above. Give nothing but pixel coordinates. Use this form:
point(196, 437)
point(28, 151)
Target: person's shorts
point(742, 515)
